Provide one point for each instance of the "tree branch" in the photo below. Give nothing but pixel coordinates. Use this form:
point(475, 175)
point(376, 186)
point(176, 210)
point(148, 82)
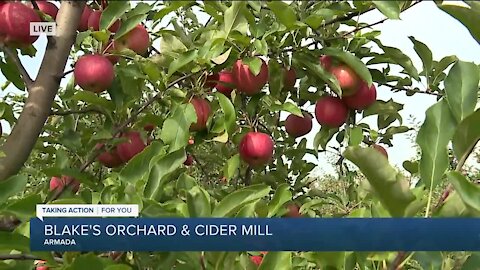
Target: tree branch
point(14, 57)
point(25, 257)
point(398, 89)
point(36, 110)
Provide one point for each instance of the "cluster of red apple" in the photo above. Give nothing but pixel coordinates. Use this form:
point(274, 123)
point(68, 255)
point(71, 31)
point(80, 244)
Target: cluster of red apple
point(95, 72)
point(15, 19)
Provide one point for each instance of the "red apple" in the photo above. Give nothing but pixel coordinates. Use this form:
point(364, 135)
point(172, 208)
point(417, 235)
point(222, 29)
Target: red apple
point(225, 83)
point(211, 80)
point(93, 72)
point(289, 78)
point(83, 26)
point(110, 158)
point(61, 183)
point(293, 211)
point(256, 148)
point(363, 98)
point(331, 112)
point(297, 126)
point(41, 265)
point(347, 78)
point(15, 19)
point(380, 149)
point(326, 62)
point(136, 40)
point(94, 22)
point(246, 81)
point(202, 109)
point(188, 160)
point(257, 260)
point(46, 7)
point(131, 147)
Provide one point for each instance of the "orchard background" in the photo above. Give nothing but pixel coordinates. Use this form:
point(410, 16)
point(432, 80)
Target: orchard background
point(147, 120)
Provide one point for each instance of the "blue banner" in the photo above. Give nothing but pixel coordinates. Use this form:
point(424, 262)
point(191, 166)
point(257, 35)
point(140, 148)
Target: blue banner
point(255, 234)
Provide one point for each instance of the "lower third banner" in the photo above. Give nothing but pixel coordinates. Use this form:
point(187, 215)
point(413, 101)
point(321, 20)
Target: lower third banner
point(254, 234)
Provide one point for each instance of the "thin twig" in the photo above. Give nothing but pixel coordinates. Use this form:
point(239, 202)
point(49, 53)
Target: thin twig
point(67, 72)
point(357, 29)
point(14, 57)
point(34, 4)
point(25, 257)
point(84, 111)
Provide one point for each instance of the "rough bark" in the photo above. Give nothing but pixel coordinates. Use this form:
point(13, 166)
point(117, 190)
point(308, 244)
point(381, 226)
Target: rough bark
point(24, 135)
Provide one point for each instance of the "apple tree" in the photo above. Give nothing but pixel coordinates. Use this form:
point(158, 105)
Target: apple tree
point(203, 109)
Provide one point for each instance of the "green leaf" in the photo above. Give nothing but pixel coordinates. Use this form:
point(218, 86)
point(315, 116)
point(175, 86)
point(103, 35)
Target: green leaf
point(129, 24)
point(472, 262)
point(284, 13)
point(410, 166)
point(198, 202)
point(11, 241)
point(223, 57)
point(162, 168)
point(87, 261)
point(323, 137)
point(391, 9)
point(229, 205)
point(94, 99)
point(12, 186)
point(140, 165)
point(433, 138)
point(118, 267)
point(175, 130)
point(24, 208)
point(113, 12)
point(172, 6)
point(254, 64)
point(425, 54)
point(356, 136)
point(466, 136)
point(229, 113)
point(461, 89)
point(352, 61)
point(381, 107)
point(185, 182)
point(231, 167)
point(317, 71)
point(281, 196)
point(402, 59)
point(277, 261)
point(468, 17)
point(390, 186)
point(183, 60)
point(276, 77)
point(11, 73)
point(233, 16)
point(286, 106)
point(468, 191)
